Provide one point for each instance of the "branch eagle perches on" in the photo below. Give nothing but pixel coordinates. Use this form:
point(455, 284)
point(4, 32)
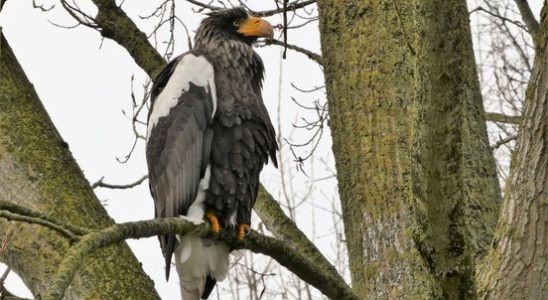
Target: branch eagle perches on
point(86, 241)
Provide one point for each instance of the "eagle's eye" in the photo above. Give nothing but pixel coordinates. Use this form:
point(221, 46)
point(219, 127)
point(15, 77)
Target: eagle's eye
point(236, 23)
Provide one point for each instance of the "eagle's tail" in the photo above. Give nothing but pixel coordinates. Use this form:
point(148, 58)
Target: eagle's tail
point(200, 263)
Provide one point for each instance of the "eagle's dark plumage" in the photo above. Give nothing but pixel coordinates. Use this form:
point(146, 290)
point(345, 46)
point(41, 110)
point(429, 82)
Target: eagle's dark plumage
point(209, 135)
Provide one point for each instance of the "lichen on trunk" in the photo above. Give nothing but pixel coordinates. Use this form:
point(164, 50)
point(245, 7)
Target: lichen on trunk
point(516, 267)
point(37, 171)
point(416, 176)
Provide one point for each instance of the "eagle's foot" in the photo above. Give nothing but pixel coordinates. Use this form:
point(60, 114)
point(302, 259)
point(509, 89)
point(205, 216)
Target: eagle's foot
point(242, 231)
point(215, 227)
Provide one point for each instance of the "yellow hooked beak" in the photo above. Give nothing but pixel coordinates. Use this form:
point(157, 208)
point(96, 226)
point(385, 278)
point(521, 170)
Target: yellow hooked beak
point(256, 27)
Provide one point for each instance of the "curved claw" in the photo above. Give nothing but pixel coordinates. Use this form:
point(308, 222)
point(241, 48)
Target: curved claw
point(242, 230)
point(215, 227)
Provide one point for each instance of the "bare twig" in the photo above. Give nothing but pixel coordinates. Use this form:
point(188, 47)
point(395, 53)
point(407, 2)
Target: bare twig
point(277, 222)
point(503, 18)
point(34, 220)
point(266, 13)
point(502, 118)
point(204, 5)
point(42, 7)
point(19, 213)
point(100, 183)
point(285, 28)
point(313, 56)
point(503, 141)
point(528, 18)
point(289, 7)
point(79, 15)
point(305, 90)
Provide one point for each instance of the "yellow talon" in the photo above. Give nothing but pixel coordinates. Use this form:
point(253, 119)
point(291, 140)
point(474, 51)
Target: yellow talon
point(215, 227)
point(242, 230)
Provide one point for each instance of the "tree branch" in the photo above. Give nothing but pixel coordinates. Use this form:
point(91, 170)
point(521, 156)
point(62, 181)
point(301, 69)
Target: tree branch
point(112, 235)
point(290, 7)
point(31, 220)
point(313, 56)
point(503, 141)
point(282, 227)
point(528, 18)
point(502, 118)
point(503, 18)
point(265, 13)
point(279, 250)
point(100, 183)
point(16, 212)
point(114, 24)
point(306, 263)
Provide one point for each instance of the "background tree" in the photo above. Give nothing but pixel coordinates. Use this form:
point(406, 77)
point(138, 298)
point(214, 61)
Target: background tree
point(417, 178)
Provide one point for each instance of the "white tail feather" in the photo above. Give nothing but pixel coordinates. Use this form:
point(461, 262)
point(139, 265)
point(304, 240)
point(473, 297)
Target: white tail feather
point(195, 259)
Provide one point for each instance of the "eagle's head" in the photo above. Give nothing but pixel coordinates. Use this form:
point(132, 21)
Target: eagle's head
point(232, 24)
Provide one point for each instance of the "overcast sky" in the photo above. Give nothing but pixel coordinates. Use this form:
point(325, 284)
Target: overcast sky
point(85, 83)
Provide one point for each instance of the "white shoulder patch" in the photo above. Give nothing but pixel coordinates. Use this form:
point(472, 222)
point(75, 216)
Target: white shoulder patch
point(191, 68)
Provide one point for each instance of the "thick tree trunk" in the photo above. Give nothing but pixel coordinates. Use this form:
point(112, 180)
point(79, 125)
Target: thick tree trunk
point(416, 176)
point(517, 266)
point(38, 171)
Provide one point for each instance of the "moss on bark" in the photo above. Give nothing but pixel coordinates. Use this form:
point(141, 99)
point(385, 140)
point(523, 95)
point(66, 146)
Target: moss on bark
point(38, 171)
point(416, 176)
point(516, 265)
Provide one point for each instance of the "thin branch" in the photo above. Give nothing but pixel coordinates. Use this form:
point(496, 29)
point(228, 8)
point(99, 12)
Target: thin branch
point(116, 25)
point(285, 27)
point(307, 90)
point(15, 211)
point(502, 118)
point(42, 7)
point(33, 220)
point(503, 18)
point(528, 18)
point(78, 14)
point(503, 141)
point(203, 5)
point(313, 56)
point(289, 7)
point(265, 13)
point(100, 183)
point(277, 222)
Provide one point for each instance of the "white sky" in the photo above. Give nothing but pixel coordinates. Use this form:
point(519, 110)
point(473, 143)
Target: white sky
point(84, 84)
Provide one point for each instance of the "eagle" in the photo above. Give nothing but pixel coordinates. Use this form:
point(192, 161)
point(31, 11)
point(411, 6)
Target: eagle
point(208, 137)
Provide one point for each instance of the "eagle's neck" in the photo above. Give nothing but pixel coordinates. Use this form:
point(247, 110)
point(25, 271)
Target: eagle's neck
point(233, 54)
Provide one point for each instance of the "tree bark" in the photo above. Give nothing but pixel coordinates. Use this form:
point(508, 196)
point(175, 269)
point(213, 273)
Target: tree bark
point(455, 166)
point(416, 176)
point(516, 267)
point(37, 171)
